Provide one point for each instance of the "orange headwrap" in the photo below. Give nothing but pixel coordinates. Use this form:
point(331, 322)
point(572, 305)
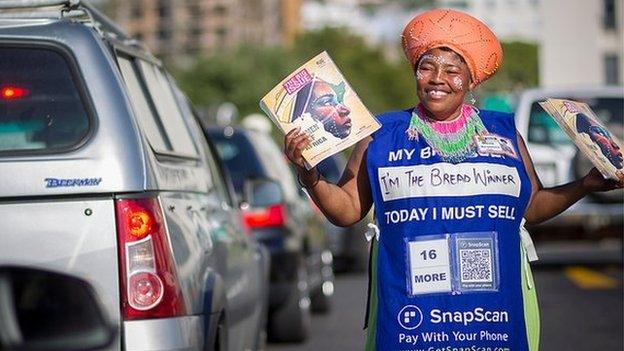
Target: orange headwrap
point(458, 31)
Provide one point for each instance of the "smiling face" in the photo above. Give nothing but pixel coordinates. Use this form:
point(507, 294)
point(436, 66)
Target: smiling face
point(325, 107)
point(442, 82)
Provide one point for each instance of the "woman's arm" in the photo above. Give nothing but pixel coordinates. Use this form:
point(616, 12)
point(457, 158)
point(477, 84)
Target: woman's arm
point(344, 203)
point(546, 203)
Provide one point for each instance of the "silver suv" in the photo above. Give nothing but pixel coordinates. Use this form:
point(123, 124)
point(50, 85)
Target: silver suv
point(105, 174)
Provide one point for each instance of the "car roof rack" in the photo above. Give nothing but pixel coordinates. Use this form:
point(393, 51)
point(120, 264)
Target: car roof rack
point(79, 10)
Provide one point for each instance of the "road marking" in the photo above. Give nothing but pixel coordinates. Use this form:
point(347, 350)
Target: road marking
point(586, 278)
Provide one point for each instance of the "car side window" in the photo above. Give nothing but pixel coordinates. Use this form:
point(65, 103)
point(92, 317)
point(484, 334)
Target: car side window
point(279, 170)
point(156, 108)
point(168, 109)
point(148, 121)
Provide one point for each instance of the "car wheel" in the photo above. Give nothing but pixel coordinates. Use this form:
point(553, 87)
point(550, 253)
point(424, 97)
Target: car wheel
point(360, 260)
point(321, 302)
point(221, 338)
point(291, 321)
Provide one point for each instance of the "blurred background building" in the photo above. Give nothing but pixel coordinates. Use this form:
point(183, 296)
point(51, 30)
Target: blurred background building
point(236, 50)
point(178, 29)
point(581, 43)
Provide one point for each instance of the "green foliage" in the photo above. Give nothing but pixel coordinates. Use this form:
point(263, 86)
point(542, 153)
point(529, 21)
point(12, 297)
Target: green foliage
point(245, 74)
point(519, 69)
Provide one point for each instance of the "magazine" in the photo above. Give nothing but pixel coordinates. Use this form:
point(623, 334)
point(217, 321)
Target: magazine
point(581, 124)
point(318, 99)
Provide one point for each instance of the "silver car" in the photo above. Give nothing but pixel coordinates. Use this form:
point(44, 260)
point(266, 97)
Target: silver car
point(106, 175)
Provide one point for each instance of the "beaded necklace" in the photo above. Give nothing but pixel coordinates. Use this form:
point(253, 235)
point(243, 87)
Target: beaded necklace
point(453, 140)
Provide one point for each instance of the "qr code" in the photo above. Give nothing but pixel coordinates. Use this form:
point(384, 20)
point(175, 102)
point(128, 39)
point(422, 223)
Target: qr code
point(475, 265)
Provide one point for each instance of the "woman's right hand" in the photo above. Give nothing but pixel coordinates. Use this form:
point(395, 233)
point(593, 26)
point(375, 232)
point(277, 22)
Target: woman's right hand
point(294, 143)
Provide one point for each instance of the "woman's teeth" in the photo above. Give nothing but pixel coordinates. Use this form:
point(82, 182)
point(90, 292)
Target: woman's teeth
point(437, 93)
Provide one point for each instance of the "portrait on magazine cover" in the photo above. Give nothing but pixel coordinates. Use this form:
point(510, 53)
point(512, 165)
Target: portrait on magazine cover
point(325, 103)
point(598, 136)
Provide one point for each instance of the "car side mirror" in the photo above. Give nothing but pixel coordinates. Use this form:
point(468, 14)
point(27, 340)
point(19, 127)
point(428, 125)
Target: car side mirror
point(46, 311)
point(262, 192)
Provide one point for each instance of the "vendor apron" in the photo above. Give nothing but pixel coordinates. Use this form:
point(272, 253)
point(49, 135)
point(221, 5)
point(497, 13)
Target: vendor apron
point(447, 268)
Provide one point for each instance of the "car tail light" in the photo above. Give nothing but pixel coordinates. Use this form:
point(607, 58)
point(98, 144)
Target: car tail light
point(12, 92)
point(272, 216)
point(149, 282)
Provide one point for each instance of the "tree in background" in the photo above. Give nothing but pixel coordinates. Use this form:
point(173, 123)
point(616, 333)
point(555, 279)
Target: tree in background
point(242, 76)
point(519, 69)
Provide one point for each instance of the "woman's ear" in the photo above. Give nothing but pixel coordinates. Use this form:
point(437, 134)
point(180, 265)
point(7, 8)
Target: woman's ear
point(472, 85)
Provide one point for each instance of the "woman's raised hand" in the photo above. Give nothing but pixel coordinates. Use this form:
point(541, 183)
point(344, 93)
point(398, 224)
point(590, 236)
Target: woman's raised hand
point(594, 181)
point(294, 143)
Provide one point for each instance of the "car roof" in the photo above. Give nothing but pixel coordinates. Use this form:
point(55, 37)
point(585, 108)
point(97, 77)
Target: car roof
point(34, 17)
point(584, 91)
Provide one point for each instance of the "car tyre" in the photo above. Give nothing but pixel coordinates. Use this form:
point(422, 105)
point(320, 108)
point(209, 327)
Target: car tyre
point(291, 321)
point(320, 302)
point(221, 342)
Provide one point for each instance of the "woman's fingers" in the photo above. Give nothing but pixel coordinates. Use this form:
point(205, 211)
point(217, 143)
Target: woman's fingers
point(294, 143)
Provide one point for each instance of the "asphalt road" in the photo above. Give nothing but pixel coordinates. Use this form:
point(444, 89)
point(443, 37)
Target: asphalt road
point(581, 310)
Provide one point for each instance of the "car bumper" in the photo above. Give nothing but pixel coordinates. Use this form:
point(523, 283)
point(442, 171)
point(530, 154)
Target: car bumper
point(180, 333)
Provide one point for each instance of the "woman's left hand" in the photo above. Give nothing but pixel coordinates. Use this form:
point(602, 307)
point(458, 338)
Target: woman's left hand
point(594, 181)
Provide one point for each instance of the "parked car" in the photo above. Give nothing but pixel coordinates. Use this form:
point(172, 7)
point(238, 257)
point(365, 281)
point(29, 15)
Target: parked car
point(557, 160)
point(348, 244)
point(105, 175)
point(301, 263)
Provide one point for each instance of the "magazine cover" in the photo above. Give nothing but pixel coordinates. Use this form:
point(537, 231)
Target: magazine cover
point(602, 148)
point(317, 98)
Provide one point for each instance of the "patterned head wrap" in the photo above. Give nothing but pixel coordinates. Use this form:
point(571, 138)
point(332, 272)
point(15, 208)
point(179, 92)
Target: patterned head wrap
point(460, 32)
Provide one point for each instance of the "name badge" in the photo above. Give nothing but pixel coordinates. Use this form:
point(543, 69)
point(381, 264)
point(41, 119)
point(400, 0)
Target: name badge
point(494, 144)
point(488, 144)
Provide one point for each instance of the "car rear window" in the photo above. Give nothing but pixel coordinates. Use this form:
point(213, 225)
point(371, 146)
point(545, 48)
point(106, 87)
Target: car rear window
point(239, 156)
point(41, 109)
point(330, 169)
point(544, 130)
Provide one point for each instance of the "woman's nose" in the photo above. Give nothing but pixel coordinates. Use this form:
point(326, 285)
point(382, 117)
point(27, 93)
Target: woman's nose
point(436, 77)
point(343, 110)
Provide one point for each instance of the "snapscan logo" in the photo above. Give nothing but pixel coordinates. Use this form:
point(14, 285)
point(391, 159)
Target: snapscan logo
point(410, 317)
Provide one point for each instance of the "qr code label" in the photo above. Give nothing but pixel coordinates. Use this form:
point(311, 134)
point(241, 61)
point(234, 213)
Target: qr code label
point(476, 265)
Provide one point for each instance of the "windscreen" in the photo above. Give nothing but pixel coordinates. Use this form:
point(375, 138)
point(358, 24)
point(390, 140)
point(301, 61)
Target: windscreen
point(40, 106)
point(544, 130)
point(238, 155)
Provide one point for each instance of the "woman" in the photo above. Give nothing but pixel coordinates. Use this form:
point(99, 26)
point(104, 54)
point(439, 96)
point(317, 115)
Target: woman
point(449, 201)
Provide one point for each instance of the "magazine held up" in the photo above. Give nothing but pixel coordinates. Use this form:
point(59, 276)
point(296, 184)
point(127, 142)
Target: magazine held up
point(318, 99)
point(602, 148)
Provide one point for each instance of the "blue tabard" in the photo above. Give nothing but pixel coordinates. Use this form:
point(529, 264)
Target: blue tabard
point(448, 262)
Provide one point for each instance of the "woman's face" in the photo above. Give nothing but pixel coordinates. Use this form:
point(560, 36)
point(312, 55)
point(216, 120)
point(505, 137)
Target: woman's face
point(325, 107)
point(442, 82)
point(608, 147)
